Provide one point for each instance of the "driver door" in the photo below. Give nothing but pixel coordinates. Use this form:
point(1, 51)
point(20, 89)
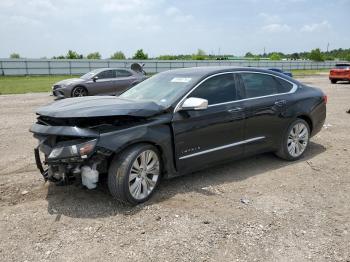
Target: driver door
point(213, 134)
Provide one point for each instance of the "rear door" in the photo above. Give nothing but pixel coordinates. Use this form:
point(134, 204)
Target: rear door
point(206, 136)
point(124, 79)
point(266, 99)
point(104, 84)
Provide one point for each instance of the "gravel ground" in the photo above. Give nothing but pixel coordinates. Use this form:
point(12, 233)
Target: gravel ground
point(256, 209)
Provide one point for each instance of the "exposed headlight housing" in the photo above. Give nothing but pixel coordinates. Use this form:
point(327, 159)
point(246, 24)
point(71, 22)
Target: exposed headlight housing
point(82, 150)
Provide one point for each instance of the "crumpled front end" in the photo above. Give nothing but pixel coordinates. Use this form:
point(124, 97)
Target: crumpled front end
point(66, 152)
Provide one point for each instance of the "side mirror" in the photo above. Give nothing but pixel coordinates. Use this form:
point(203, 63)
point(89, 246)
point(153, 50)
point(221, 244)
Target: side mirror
point(194, 103)
point(95, 78)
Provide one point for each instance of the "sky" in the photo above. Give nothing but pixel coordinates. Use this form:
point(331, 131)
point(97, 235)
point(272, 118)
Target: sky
point(46, 28)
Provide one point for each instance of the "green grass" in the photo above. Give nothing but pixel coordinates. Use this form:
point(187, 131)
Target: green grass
point(28, 84)
point(306, 72)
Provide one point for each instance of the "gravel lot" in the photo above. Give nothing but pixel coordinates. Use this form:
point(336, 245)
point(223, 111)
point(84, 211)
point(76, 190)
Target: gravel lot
point(257, 209)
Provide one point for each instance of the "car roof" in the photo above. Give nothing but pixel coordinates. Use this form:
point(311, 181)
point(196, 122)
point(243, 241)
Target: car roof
point(109, 68)
point(205, 71)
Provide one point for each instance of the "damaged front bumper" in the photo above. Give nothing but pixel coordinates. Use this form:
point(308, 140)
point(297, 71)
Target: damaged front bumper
point(69, 152)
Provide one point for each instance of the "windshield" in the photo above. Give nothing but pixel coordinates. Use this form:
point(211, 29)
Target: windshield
point(89, 75)
point(163, 88)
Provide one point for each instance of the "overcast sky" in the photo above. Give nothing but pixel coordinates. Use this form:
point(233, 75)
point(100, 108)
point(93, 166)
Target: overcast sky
point(38, 28)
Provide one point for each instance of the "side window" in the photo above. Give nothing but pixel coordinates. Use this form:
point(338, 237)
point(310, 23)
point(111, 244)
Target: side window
point(218, 89)
point(263, 85)
point(123, 73)
point(285, 86)
point(106, 74)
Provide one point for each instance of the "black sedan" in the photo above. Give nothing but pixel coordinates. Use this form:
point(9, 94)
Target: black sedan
point(174, 123)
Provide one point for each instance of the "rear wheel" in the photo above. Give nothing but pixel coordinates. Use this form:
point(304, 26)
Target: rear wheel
point(134, 175)
point(295, 141)
point(79, 91)
point(333, 81)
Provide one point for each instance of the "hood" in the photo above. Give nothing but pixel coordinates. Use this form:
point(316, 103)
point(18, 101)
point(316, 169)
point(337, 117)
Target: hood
point(69, 81)
point(97, 106)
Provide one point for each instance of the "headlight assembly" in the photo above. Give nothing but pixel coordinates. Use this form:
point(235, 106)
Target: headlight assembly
point(82, 150)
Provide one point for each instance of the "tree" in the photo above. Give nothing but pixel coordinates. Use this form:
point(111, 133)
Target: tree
point(294, 56)
point(249, 54)
point(347, 57)
point(275, 57)
point(316, 55)
point(95, 55)
point(140, 55)
point(118, 55)
point(73, 55)
point(15, 56)
point(200, 55)
point(59, 57)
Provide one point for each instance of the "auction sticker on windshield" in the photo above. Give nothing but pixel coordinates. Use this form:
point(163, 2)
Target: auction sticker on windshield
point(181, 80)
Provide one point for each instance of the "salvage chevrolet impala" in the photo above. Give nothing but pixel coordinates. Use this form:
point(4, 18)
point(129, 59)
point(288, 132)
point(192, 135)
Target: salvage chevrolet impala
point(175, 123)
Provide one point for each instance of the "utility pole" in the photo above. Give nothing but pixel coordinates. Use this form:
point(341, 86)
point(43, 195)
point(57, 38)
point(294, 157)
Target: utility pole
point(327, 46)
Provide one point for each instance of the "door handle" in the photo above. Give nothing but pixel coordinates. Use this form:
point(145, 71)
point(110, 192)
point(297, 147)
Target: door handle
point(281, 103)
point(235, 109)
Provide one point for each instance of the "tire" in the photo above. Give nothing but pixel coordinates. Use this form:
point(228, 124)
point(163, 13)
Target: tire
point(125, 180)
point(79, 91)
point(333, 81)
point(301, 144)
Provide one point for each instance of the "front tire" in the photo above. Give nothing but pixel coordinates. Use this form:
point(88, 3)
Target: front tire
point(333, 81)
point(79, 91)
point(134, 175)
point(295, 141)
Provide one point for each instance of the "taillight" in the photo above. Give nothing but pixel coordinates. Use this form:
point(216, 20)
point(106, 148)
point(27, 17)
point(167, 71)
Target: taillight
point(325, 99)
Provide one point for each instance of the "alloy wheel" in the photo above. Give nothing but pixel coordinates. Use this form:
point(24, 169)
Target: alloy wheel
point(298, 139)
point(144, 174)
point(78, 92)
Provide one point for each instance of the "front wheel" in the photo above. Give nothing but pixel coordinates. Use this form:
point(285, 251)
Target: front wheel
point(134, 175)
point(79, 91)
point(295, 141)
point(333, 81)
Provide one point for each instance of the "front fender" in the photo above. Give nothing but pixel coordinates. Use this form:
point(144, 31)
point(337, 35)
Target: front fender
point(158, 135)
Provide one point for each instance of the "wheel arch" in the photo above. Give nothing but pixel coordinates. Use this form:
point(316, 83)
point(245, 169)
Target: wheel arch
point(162, 155)
point(79, 85)
point(308, 120)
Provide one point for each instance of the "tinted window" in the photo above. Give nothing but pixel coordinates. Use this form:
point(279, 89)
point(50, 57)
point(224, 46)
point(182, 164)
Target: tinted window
point(285, 86)
point(218, 89)
point(123, 73)
point(342, 66)
point(262, 85)
point(106, 74)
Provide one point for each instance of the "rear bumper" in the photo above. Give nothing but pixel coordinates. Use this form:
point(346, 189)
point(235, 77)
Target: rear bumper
point(318, 117)
point(339, 77)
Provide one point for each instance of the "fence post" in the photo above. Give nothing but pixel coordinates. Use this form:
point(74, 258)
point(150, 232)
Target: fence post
point(108, 64)
point(49, 66)
point(26, 66)
point(2, 69)
point(89, 66)
point(70, 67)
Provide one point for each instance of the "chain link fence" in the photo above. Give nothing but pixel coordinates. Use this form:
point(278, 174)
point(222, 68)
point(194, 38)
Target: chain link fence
point(78, 67)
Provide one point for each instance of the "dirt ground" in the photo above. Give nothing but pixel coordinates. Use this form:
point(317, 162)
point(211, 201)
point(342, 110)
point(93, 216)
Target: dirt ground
point(256, 209)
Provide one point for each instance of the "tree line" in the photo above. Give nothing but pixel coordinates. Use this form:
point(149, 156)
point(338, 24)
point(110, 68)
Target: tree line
point(314, 55)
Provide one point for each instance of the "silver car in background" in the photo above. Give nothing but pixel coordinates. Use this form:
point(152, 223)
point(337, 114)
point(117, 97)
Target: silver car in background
point(103, 81)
